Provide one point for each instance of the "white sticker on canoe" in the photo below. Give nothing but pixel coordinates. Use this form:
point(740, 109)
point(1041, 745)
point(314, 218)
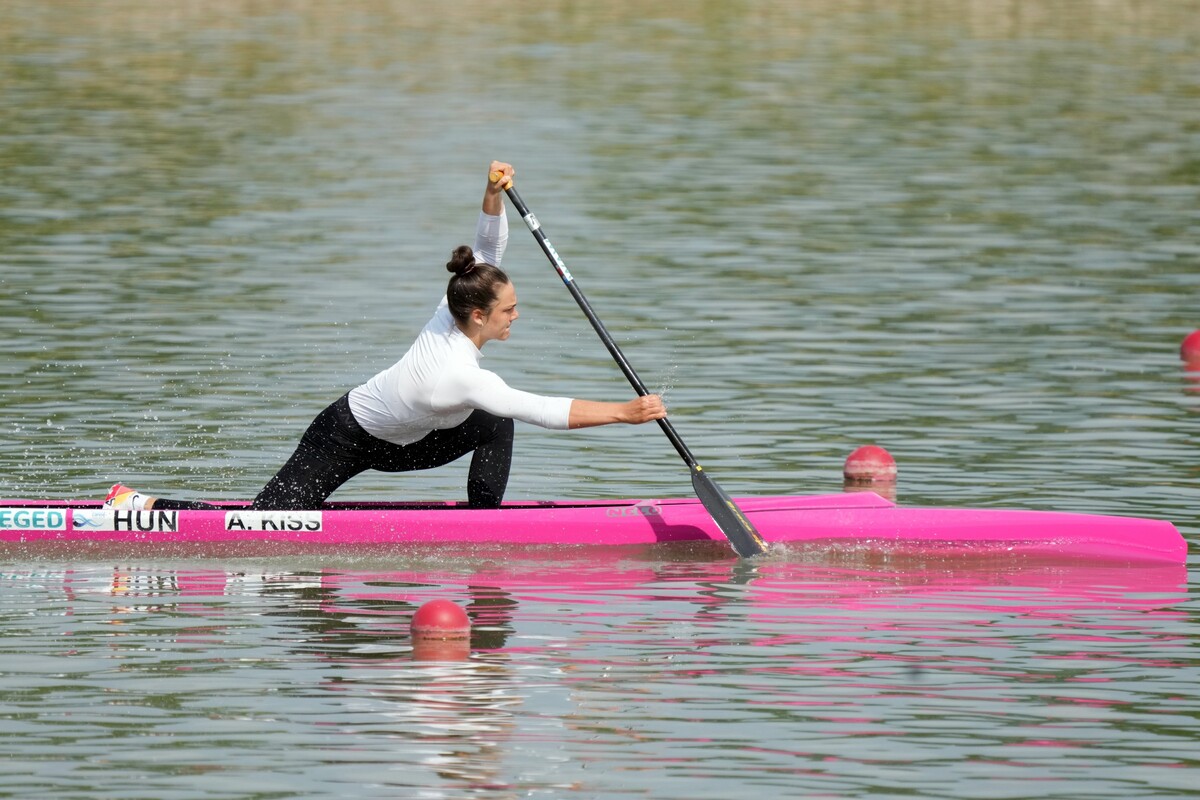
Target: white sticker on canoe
point(33, 519)
point(112, 519)
point(273, 521)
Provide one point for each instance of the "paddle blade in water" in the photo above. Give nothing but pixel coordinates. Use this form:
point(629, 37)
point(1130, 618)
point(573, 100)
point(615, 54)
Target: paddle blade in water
point(745, 539)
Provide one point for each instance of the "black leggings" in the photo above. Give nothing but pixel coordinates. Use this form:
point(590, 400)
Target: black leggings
point(335, 448)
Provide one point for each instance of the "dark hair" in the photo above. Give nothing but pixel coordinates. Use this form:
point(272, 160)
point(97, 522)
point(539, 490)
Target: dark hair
point(473, 285)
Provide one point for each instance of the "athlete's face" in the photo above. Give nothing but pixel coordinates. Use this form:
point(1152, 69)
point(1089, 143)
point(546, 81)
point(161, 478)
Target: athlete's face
point(497, 322)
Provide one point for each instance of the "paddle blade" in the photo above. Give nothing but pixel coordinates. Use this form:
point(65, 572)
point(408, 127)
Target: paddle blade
point(745, 539)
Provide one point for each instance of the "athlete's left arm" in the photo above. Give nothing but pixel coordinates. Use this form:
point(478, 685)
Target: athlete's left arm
point(484, 389)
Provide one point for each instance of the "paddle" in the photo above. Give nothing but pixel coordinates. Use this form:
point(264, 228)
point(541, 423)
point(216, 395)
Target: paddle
point(745, 539)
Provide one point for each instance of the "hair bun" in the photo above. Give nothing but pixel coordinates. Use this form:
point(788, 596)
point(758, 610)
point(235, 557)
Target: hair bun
point(462, 260)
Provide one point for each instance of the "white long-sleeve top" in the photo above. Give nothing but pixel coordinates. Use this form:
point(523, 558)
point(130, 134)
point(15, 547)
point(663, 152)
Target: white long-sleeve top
point(438, 382)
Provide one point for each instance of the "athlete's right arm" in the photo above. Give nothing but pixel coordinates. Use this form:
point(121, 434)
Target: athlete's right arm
point(500, 177)
point(491, 232)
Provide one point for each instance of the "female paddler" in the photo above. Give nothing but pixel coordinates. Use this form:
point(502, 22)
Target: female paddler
point(436, 403)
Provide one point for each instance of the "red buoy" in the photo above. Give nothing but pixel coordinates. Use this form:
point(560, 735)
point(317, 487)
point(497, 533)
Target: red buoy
point(442, 619)
point(1189, 351)
point(869, 464)
point(441, 631)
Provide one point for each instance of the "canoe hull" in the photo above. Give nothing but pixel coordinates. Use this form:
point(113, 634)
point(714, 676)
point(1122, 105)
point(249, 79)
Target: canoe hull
point(862, 519)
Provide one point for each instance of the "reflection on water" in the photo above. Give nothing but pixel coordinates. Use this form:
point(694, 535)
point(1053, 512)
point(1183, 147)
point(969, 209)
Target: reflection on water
point(1191, 376)
point(805, 671)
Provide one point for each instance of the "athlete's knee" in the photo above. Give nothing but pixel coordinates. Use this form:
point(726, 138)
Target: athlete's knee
point(489, 424)
point(499, 429)
point(284, 496)
point(291, 490)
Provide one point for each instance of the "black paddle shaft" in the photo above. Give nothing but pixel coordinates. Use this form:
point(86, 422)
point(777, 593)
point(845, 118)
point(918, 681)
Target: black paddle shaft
point(742, 535)
point(614, 350)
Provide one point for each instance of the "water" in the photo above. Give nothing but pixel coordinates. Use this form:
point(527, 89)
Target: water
point(965, 231)
point(600, 675)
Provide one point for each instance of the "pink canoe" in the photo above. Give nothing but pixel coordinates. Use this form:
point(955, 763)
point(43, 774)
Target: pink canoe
point(862, 520)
